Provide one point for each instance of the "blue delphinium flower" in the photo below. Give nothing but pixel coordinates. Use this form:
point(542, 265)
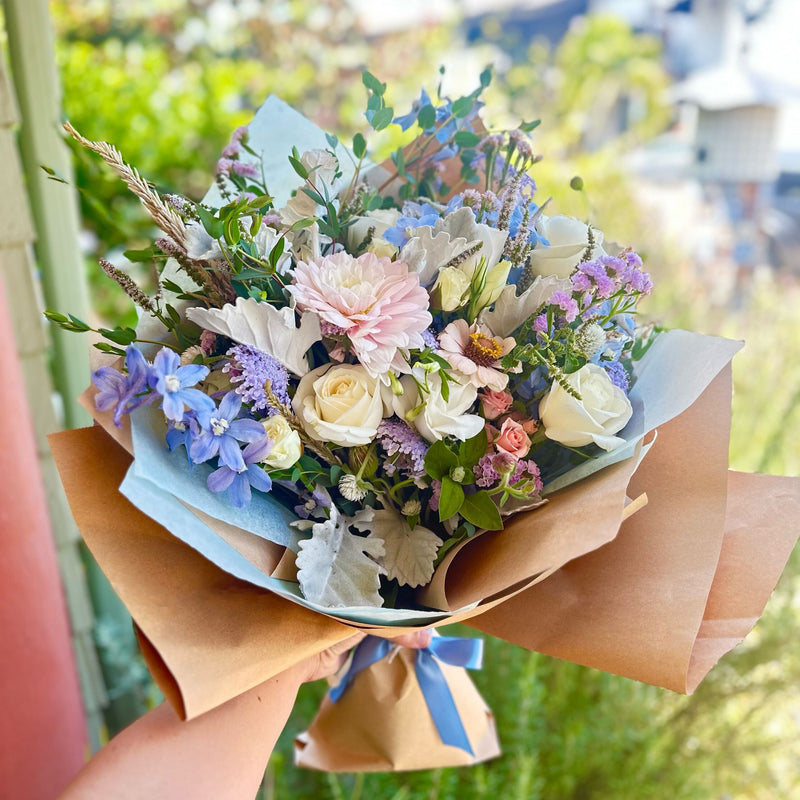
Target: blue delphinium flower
point(173, 381)
point(220, 433)
point(237, 482)
point(183, 432)
point(415, 215)
point(122, 392)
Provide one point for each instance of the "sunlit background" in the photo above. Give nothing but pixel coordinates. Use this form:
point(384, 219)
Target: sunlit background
point(683, 120)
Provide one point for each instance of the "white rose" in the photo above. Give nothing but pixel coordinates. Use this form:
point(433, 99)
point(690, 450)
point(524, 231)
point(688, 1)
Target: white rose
point(266, 239)
point(450, 287)
point(381, 220)
point(602, 411)
point(381, 248)
point(569, 238)
point(438, 418)
point(340, 404)
point(286, 445)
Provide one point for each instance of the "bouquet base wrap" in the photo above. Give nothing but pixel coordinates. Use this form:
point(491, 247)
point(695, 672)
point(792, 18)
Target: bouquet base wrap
point(383, 722)
point(658, 596)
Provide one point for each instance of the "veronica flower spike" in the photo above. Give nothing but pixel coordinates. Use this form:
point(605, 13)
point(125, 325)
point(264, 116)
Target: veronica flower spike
point(173, 381)
point(221, 433)
point(238, 482)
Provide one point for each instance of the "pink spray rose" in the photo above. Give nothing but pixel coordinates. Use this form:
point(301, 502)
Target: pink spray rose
point(513, 439)
point(495, 403)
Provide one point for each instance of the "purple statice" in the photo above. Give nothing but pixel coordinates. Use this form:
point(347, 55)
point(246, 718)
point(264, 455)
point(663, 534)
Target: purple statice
point(405, 447)
point(436, 493)
point(619, 375)
point(221, 432)
point(486, 475)
point(237, 482)
point(224, 166)
point(173, 382)
point(540, 324)
point(120, 391)
point(566, 302)
point(527, 472)
point(250, 370)
point(592, 277)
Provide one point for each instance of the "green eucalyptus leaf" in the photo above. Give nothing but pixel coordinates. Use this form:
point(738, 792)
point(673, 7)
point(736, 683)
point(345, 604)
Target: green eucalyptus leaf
point(382, 117)
point(426, 118)
point(372, 83)
point(359, 146)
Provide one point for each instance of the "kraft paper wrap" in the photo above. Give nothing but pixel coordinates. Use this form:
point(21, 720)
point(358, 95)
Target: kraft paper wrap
point(659, 598)
point(382, 723)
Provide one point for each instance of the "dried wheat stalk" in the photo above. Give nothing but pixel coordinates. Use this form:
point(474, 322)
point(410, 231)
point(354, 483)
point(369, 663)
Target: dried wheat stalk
point(163, 216)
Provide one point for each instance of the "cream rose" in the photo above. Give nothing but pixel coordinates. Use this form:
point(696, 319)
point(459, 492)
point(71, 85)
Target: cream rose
point(438, 418)
point(569, 238)
point(286, 445)
point(602, 411)
point(339, 404)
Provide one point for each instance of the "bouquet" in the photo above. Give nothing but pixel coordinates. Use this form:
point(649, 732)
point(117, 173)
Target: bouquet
point(396, 395)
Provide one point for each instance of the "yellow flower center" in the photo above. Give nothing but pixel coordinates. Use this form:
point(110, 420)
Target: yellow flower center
point(483, 350)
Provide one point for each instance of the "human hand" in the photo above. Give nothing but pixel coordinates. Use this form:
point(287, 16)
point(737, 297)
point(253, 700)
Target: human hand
point(330, 661)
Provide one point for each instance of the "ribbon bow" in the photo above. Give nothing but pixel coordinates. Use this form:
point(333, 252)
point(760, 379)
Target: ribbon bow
point(454, 650)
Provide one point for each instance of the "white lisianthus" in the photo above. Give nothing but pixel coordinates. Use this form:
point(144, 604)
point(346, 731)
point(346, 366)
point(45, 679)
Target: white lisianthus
point(200, 246)
point(450, 288)
point(381, 220)
point(321, 167)
point(286, 445)
point(569, 239)
point(603, 410)
point(496, 278)
point(438, 418)
point(339, 404)
point(266, 239)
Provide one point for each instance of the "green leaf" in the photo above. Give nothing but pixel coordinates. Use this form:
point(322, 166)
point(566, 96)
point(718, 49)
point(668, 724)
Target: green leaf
point(372, 83)
point(359, 146)
point(303, 223)
point(212, 225)
point(486, 77)
point(332, 140)
point(472, 450)
point(451, 498)
point(298, 167)
point(277, 251)
point(232, 232)
point(122, 336)
point(382, 118)
point(426, 118)
point(104, 347)
point(466, 139)
point(173, 314)
point(79, 323)
point(463, 106)
point(439, 460)
point(140, 255)
point(480, 510)
point(527, 127)
point(399, 160)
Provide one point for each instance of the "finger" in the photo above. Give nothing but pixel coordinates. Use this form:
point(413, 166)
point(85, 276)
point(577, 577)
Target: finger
point(418, 640)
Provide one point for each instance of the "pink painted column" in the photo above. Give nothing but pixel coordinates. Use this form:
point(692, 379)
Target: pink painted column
point(43, 737)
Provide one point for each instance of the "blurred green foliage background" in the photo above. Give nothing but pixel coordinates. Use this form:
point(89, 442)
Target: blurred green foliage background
point(166, 85)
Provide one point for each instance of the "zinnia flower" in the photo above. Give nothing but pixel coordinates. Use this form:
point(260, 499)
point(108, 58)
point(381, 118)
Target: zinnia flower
point(377, 303)
point(476, 354)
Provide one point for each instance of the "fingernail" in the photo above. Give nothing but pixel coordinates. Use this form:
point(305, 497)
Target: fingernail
point(424, 638)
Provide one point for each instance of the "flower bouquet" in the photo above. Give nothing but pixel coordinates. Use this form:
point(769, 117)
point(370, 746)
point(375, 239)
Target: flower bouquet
point(399, 395)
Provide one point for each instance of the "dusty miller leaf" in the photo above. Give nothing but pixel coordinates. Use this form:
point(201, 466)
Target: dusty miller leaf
point(409, 553)
point(336, 567)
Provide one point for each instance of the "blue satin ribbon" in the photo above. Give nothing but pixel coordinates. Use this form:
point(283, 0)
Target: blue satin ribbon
point(454, 650)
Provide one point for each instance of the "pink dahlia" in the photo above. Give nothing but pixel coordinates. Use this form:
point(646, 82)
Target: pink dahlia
point(475, 353)
point(377, 303)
